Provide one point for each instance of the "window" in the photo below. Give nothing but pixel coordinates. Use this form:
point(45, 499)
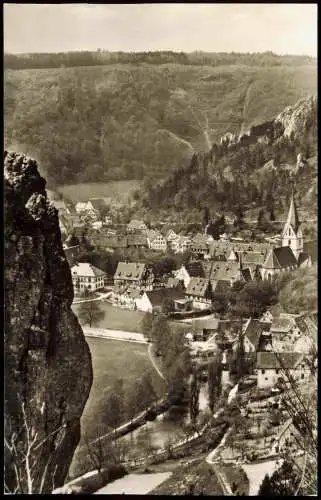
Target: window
point(266, 378)
point(289, 243)
point(263, 371)
point(302, 375)
point(276, 371)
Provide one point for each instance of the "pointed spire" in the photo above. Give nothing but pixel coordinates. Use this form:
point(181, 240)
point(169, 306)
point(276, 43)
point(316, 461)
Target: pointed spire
point(293, 217)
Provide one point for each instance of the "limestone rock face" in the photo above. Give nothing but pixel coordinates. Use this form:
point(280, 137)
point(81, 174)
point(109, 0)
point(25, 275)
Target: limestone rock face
point(298, 119)
point(47, 360)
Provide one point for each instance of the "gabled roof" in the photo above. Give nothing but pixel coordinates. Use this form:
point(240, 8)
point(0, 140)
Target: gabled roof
point(246, 274)
point(130, 271)
point(282, 324)
point(111, 241)
point(311, 248)
point(224, 271)
point(303, 258)
point(221, 286)
point(195, 269)
point(136, 240)
point(253, 330)
point(157, 297)
point(198, 287)
point(280, 257)
point(172, 282)
point(251, 257)
point(152, 235)
point(286, 360)
point(136, 224)
point(87, 270)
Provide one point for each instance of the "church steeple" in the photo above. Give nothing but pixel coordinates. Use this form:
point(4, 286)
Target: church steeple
point(293, 217)
point(292, 234)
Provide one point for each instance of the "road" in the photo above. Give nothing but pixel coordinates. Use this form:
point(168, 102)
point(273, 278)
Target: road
point(100, 297)
point(114, 334)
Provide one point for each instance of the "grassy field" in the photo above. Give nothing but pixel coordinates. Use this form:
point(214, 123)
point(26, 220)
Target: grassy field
point(117, 319)
point(120, 190)
point(123, 319)
point(111, 360)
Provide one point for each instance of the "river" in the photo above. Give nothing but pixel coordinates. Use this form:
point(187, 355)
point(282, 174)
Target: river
point(159, 432)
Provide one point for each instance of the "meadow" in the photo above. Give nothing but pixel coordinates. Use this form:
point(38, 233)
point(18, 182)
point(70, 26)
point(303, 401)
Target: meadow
point(115, 190)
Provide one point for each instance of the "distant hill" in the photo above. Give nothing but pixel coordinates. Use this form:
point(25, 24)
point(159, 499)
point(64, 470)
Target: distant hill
point(257, 168)
point(134, 116)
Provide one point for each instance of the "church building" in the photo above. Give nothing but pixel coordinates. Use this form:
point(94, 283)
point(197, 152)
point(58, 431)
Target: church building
point(290, 254)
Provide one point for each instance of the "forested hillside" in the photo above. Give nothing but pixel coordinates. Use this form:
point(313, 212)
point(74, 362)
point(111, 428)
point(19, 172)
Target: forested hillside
point(257, 169)
point(140, 115)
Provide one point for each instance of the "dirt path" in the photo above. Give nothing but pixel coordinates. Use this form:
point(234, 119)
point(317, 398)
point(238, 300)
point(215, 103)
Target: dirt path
point(152, 360)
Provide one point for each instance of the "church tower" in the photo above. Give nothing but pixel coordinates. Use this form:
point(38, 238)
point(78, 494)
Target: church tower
point(292, 234)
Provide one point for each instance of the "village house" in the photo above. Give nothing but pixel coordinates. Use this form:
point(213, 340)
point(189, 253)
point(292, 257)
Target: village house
point(199, 245)
point(199, 290)
point(136, 225)
point(181, 244)
point(203, 329)
point(170, 236)
point(86, 276)
point(125, 296)
point(137, 240)
point(271, 367)
point(292, 333)
point(134, 273)
point(173, 283)
point(153, 300)
point(156, 241)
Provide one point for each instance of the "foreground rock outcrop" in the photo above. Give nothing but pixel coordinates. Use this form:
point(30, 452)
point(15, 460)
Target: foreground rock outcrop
point(47, 360)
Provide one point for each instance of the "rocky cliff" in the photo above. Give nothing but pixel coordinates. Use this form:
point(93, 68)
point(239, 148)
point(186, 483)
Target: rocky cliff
point(47, 360)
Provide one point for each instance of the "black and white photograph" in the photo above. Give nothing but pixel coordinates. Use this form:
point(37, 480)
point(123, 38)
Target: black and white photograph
point(160, 248)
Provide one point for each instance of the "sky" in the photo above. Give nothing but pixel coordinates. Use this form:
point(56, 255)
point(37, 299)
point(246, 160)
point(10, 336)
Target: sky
point(281, 28)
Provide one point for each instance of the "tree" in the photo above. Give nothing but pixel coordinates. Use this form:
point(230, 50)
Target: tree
point(22, 450)
point(161, 334)
point(177, 390)
point(168, 305)
point(266, 487)
point(146, 394)
point(194, 398)
point(282, 482)
point(113, 410)
point(214, 382)
point(90, 313)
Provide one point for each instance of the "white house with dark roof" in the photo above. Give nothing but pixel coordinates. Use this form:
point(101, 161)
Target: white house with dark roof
point(134, 273)
point(199, 290)
point(156, 240)
point(151, 301)
point(86, 276)
point(136, 225)
point(271, 367)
